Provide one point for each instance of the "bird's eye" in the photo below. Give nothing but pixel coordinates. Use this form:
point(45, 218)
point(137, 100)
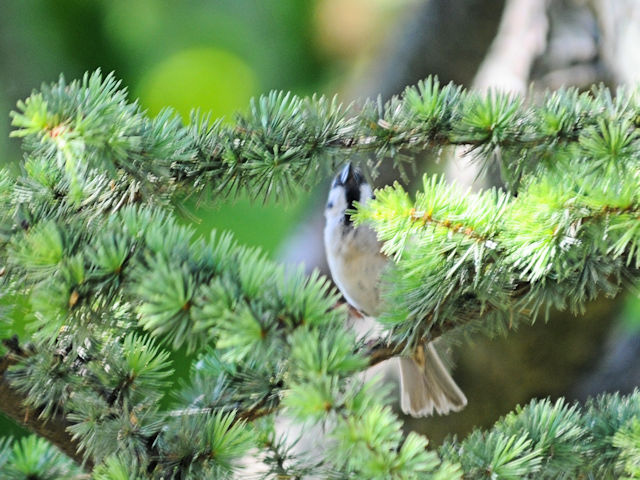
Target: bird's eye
point(330, 205)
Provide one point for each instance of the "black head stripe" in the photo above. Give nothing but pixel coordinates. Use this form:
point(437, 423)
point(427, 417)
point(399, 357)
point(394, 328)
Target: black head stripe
point(350, 178)
point(352, 194)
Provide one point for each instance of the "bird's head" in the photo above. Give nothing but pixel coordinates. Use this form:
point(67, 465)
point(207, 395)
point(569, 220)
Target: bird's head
point(348, 187)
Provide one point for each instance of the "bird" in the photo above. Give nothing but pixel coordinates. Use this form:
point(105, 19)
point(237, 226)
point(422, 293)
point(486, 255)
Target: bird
point(356, 264)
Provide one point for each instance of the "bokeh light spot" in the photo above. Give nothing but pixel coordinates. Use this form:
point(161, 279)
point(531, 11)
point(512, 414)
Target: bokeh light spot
point(210, 79)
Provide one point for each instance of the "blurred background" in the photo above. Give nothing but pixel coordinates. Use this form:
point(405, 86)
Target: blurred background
point(216, 55)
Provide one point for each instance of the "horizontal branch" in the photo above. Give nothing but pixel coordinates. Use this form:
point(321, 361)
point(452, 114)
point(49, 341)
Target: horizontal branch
point(275, 146)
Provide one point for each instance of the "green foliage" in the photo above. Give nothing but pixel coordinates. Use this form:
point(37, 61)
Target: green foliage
point(202, 446)
point(553, 440)
point(115, 468)
point(34, 458)
point(462, 257)
point(496, 455)
point(142, 373)
point(370, 443)
point(113, 281)
point(628, 441)
point(556, 432)
point(490, 120)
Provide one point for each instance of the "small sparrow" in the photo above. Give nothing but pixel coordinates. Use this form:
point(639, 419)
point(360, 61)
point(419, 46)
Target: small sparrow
point(356, 264)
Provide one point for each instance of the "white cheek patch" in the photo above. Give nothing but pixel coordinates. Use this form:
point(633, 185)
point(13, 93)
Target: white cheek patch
point(336, 204)
point(366, 193)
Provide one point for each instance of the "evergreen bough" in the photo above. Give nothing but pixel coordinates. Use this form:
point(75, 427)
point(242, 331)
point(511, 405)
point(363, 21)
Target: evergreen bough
point(108, 282)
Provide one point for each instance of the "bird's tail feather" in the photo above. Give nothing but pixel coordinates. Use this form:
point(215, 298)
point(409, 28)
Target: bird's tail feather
point(426, 385)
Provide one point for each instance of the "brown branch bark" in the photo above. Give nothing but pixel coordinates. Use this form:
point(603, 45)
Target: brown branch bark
point(379, 350)
point(53, 429)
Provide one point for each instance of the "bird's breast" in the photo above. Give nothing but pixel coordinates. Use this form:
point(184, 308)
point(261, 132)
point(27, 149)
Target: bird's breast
point(356, 266)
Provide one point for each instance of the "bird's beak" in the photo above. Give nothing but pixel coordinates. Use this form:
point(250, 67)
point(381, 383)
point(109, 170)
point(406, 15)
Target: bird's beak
point(347, 174)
